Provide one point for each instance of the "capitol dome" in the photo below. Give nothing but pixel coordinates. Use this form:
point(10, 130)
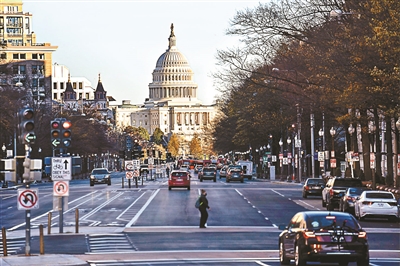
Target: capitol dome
point(172, 77)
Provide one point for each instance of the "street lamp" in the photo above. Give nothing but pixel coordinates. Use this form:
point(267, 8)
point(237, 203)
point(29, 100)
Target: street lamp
point(289, 141)
point(280, 155)
point(321, 135)
point(351, 131)
point(371, 130)
point(4, 148)
point(333, 163)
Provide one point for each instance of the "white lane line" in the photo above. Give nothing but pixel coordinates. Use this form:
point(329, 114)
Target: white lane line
point(136, 217)
point(260, 263)
point(122, 213)
point(280, 194)
point(101, 206)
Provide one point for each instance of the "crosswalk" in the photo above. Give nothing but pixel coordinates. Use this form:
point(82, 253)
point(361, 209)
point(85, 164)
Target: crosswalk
point(14, 246)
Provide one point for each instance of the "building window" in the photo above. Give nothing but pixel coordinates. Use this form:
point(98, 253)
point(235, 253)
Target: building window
point(55, 96)
point(3, 56)
point(80, 85)
point(15, 56)
point(22, 56)
point(54, 86)
point(35, 56)
point(74, 85)
point(87, 96)
point(61, 85)
point(41, 56)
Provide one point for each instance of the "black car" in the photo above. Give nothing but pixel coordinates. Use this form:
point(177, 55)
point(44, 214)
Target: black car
point(208, 173)
point(347, 201)
point(323, 236)
point(100, 176)
point(313, 186)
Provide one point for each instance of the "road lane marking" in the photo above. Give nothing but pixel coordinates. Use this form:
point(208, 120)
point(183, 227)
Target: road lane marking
point(136, 217)
point(101, 206)
point(133, 203)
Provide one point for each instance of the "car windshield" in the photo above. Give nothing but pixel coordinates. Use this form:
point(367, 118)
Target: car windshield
point(144, 166)
point(178, 174)
point(315, 182)
point(347, 183)
point(100, 172)
point(209, 169)
point(356, 190)
point(373, 195)
point(235, 167)
point(316, 222)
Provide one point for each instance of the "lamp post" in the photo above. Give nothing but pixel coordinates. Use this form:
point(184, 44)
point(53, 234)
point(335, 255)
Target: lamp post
point(4, 148)
point(321, 135)
point(396, 180)
point(351, 131)
point(371, 131)
point(333, 160)
point(281, 154)
point(289, 141)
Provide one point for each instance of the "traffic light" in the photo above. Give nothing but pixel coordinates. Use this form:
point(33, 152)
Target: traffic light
point(26, 126)
point(66, 133)
point(55, 132)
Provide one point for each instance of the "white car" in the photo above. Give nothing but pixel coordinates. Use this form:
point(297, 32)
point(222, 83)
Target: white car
point(375, 203)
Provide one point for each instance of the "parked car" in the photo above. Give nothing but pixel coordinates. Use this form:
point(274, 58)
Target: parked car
point(209, 173)
point(347, 201)
point(313, 186)
point(222, 172)
point(376, 203)
point(323, 236)
point(334, 190)
point(234, 174)
point(179, 178)
point(100, 176)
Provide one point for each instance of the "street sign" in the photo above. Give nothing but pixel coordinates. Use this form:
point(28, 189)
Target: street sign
point(151, 160)
point(297, 143)
point(28, 199)
point(136, 173)
point(321, 156)
point(61, 188)
point(129, 174)
point(129, 166)
point(61, 168)
point(136, 164)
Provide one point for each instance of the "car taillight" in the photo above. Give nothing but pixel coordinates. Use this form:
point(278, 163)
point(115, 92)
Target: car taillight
point(362, 234)
point(367, 203)
point(331, 192)
point(308, 234)
point(353, 199)
point(392, 203)
point(306, 188)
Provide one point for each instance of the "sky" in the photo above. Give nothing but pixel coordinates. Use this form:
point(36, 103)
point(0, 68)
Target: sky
point(122, 40)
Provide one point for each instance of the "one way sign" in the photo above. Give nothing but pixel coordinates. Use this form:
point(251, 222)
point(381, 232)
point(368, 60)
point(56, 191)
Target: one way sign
point(61, 168)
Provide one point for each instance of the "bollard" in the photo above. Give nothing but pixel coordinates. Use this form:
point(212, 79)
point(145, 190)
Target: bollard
point(41, 240)
point(123, 182)
point(76, 221)
point(4, 238)
point(49, 223)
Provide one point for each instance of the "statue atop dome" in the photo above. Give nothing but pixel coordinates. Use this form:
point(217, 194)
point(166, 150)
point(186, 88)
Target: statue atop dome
point(172, 30)
point(172, 38)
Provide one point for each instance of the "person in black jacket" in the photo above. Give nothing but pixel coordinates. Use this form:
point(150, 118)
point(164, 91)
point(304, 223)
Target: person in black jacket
point(203, 208)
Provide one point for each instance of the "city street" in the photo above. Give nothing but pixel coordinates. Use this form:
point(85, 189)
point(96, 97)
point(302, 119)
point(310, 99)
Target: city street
point(152, 223)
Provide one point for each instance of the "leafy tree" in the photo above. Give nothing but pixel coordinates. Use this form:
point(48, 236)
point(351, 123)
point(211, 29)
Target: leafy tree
point(173, 145)
point(158, 136)
point(195, 146)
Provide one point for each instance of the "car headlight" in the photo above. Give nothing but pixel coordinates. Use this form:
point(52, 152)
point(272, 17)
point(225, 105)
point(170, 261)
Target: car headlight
point(107, 176)
point(92, 177)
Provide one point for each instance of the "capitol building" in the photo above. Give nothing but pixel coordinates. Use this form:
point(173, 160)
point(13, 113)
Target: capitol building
point(172, 104)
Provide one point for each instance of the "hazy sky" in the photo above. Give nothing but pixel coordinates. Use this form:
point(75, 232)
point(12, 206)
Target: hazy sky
point(122, 40)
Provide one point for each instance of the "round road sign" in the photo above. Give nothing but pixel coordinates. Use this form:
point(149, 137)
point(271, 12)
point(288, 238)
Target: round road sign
point(27, 199)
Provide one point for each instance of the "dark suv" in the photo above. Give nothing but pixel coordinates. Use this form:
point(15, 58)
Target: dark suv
point(335, 189)
point(208, 173)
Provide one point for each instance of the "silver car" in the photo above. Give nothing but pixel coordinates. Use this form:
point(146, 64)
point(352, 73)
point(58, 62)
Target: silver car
point(100, 176)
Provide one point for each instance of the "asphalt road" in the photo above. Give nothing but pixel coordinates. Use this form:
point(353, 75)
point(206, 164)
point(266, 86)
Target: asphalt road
point(152, 221)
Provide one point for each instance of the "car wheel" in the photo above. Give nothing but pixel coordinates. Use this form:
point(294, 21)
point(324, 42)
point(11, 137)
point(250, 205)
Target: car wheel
point(241, 181)
point(304, 194)
point(201, 179)
point(215, 179)
point(188, 188)
point(363, 261)
point(282, 256)
point(227, 180)
point(323, 203)
point(109, 183)
point(298, 257)
point(345, 263)
point(329, 207)
point(169, 188)
point(91, 184)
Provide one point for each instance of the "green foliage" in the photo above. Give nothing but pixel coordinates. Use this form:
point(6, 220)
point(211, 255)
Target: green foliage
point(173, 145)
point(158, 136)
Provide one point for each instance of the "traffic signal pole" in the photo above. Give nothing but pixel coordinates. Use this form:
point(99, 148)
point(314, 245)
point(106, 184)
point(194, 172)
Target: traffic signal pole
point(26, 177)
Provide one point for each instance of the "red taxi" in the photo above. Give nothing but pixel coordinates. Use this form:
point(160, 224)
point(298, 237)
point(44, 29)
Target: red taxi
point(179, 178)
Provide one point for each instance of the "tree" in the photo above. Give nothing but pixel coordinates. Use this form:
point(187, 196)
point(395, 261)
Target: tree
point(195, 146)
point(158, 136)
point(173, 145)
